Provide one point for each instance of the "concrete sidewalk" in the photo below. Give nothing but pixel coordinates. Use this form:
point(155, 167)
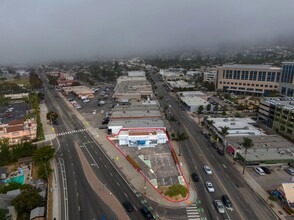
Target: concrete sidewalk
point(275, 207)
point(47, 127)
point(49, 136)
point(133, 176)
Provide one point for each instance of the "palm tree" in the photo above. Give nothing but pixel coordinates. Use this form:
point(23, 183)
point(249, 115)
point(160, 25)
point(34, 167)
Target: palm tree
point(210, 123)
point(247, 143)
point(181, 137)
point(224, 133)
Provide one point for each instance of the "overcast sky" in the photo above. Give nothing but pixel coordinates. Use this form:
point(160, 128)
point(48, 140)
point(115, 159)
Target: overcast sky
point(46, 30)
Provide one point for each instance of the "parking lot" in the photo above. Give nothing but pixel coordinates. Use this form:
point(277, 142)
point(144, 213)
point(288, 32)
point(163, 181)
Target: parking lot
point(271, 181)
point(87, 108)
point(156, 163)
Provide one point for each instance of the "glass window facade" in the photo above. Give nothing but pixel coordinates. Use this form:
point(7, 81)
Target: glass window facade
point(287, 73)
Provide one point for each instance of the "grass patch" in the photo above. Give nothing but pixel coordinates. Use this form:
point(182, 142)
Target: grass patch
point(25, 82)
point(176, 190)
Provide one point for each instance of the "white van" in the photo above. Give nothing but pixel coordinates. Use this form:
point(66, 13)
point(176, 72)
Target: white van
point(259, 170)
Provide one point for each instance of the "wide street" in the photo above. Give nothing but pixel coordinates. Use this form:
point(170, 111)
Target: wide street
point(83, 203)
point(198, 151)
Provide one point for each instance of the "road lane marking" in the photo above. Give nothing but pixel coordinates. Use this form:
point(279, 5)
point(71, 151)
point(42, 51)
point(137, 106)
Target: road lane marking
point(111, 174)
point(117, 183)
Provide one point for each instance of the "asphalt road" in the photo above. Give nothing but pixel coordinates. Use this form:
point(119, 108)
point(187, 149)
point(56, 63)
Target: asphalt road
point(83, 203)
point(225, 179)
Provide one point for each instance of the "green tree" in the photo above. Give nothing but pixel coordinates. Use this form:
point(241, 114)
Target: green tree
point(43, 154)
point(181, 136)
point(52, 116)
point(210, 123)
point(247, 143)
point(35, 81)
point(200, 109)
point(5, 155)
point(208, 107)
point(224, 133)
point(27, 200)
point(76, 83)
point(3, 214)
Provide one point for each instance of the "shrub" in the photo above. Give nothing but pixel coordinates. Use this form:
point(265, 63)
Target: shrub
point(177, 189)
point(133, 162)
point(272, 198)
point(288, 210)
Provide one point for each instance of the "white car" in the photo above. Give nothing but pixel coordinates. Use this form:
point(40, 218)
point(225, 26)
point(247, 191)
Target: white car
point(219, 206)
point(259, 170)
point(86, 100)
point(94, 112)
point(207, 170)
point(209, 186)
point(78, 106)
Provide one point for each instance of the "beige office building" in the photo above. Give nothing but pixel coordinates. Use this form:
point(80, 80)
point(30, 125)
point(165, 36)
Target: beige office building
point(248, 79)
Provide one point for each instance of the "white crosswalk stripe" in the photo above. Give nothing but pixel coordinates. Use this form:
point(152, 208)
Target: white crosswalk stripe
point(70, 132)
point(193, 212)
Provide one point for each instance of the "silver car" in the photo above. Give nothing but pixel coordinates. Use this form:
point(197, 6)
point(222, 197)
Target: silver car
point(207, 170)
point(219, 206)
point(209, 186)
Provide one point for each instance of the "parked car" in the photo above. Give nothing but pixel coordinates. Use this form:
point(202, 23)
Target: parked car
point(290, 171)
point(128, 206)
point(105, 120)
point(219, 206)
point(146, 213)
point(94, 112)
point(220, 152)
point(259, 171)
point(86, 100)
point(195, 177)
point(78, 106)
point(266, 170)
point(207, 170)
point(227, 202)
point(209, 186)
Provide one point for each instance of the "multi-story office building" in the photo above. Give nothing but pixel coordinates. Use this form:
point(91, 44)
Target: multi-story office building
point(278, 114)
point(209, 77)
point(248, 79)
point(287, 79)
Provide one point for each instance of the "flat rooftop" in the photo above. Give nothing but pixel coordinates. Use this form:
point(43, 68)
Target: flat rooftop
point(237, 126)
point(136, 114)
point(250, 66)
point(137, 123)
point(180, 84)
point(190, 93)
point(136, 86)
point(285, 102)
point(194, 100)
point(136, 107)
point(267, 147)
point(78, 89)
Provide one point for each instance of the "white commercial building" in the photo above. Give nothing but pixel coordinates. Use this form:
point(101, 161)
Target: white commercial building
point(142, 138)
point(237, 126)
point(192, 100)
point(209, 77)
point(136, 74)
point(115, 125)
point(179, 84)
